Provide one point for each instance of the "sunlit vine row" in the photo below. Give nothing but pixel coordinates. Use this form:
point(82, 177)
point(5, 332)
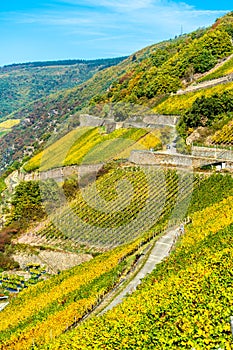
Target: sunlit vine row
point(118, 207)
point(33, 315)
point(177, 104)
point(224, 136)
point(184, 304)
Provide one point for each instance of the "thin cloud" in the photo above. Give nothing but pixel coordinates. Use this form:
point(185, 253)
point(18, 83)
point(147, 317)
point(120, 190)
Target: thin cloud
point(106, 14)
point(129, 5)
point(53, 19)
point(96, 28)
point(118, 6)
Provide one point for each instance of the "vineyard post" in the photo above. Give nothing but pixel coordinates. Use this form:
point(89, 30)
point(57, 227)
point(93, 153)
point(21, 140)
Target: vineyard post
point(231, 322)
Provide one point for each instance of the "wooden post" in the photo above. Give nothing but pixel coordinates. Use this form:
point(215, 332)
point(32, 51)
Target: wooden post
point(231, 322)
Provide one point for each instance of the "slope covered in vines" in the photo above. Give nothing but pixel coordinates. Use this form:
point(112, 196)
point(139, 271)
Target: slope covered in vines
point(120, 206)
point(44, 311)
point(185, 303)
point(89, 145)
point(50, 307)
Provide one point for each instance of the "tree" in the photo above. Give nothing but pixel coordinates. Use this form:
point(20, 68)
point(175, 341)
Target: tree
point(26, 204)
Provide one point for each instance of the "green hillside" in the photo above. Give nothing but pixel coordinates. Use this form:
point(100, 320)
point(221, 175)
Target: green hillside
point(146, 78)
point(23, 83)
point(185, 303)
point(176, 298)
point(225, 69)
point(179, 104)
point(211, 108)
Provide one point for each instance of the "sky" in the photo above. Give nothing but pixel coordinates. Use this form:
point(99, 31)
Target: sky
point(42, 30)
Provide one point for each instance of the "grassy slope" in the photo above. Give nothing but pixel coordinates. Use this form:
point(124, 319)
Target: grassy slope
point(8, 124)
point(6, 127)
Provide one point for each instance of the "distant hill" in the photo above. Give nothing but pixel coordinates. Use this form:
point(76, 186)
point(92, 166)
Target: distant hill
point(23, 83)
point(99, 61)
point(148, 78)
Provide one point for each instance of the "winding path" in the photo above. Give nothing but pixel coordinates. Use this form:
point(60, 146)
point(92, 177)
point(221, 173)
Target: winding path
point(160, 250)
point(206, 84)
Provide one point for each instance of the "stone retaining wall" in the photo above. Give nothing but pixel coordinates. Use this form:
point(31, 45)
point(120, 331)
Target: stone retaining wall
point(59, 174)
point(206, 84)
point(208, 152)
point(176, 159)
point(147, 121)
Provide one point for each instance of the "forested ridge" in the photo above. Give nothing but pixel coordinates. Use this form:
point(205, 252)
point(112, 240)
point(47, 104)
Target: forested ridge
point(24, 83)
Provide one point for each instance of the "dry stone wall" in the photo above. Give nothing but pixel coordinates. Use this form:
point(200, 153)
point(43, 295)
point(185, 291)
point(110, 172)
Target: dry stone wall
point(147, 121)
point(176, 159)
point(206, 84)
point(208, 152)
point(59, 174)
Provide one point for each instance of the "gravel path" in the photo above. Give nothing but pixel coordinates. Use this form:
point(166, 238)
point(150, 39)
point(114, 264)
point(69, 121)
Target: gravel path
point(3, 305)
point(160, 250)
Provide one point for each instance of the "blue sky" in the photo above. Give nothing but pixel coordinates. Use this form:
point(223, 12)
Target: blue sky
point(65, 29)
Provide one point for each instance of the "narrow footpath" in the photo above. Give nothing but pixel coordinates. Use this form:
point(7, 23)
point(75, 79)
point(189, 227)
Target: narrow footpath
point(3, 305)
point(160, 250)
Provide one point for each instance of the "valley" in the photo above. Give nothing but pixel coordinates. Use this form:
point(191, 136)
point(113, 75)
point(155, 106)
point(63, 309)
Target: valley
point(116, 198)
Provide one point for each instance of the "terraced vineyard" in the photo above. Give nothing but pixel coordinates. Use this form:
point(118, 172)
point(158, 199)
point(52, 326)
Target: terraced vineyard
point(7, 125)
point(33, 317)
point(225, 69)
point(224, 136)
point(14, 282)
point(120, 206)
point(144, 199)
point(88, 145)
point(185, 303)
point(178, 104)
